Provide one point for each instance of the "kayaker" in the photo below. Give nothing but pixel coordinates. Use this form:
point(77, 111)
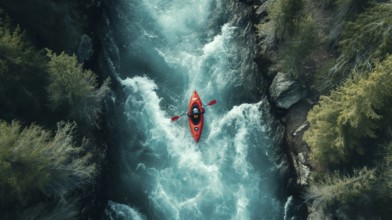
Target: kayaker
point(195, 113)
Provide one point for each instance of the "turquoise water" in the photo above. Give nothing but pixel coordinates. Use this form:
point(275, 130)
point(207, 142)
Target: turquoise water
point(165, 51)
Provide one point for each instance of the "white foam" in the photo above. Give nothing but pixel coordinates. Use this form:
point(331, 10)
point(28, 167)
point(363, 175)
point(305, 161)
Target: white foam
point(287, 205)
point(120, 211)
point(215, 179)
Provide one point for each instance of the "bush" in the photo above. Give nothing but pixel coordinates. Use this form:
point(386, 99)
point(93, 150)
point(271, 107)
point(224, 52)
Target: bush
point(34, 164)
point(74, 88)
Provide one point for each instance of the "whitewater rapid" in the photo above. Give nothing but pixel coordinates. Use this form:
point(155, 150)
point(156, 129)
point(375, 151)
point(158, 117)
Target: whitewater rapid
point(172, 48)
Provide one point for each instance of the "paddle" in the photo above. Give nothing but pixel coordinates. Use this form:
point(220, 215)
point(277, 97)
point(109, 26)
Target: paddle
point(175, 118)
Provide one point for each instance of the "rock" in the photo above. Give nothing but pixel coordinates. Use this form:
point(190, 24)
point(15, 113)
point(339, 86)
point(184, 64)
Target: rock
point(285, 92)
point(301, 168)
point(301, 128)
point(85, 48)
point(249, 2)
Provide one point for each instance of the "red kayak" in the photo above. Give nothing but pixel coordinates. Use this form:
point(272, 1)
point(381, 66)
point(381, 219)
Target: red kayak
point(196, 116)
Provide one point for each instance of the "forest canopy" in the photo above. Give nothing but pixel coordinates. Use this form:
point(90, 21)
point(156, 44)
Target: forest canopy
point(48, 102)
point(350, 127)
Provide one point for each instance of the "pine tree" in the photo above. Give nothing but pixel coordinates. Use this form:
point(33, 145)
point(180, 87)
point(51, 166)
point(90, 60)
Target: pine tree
point(34, 163)
point(21, 74)
point(336, 188)
point(364, 41)
point(349, 114)
point(74, 88)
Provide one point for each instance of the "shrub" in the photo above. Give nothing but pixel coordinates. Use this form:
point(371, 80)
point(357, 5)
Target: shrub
point(33, 163)
point(74, 88)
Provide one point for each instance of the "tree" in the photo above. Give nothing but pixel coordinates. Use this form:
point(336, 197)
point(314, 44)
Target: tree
point(364, 41)
point(352, 112)
point(74, 88)
point(33, 163)
point(335, 188)
point(21, 75)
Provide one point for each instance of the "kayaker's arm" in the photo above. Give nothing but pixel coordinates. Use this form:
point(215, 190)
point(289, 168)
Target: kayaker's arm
point(175, 118)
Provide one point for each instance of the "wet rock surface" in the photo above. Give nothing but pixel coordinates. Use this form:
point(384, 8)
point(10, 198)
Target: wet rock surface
point(285, 92)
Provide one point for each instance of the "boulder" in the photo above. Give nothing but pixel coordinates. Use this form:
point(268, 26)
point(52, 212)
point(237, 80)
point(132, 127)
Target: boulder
point(285, 92)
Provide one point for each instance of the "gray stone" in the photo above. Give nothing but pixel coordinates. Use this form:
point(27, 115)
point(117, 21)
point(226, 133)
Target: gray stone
point(285, 92)
point(302, 168)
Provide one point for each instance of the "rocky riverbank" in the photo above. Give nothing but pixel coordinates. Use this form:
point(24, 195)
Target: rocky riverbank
point(291, 102)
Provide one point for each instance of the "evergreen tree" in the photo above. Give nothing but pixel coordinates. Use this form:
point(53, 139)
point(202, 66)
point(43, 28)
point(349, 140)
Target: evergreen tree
point(22, 75)
point(350, 113)
point(335, 188)
point(364, 41)
point(74, 88)
point(35, 164)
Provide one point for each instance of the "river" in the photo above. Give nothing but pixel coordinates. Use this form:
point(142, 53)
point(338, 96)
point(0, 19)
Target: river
point(159, 52)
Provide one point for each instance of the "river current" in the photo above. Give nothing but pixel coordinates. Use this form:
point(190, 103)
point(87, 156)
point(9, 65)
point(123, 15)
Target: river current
point(159, 52)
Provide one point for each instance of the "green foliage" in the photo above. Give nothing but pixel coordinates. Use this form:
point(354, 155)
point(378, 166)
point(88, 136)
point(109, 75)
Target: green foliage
point(366, 193)
point(68, 209)
point(14, 47)
point(21, 74)
point(74, 88)
point(342, 189)
point(34, 163)
point(364, 41)
point(299, 47)
point(349, 114)
point(40, 172)
point(284, 16)
point(386, 170)
point(322, 82)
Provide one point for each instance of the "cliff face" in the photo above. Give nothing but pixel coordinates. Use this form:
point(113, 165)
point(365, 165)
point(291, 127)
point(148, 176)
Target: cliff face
point(290, 99)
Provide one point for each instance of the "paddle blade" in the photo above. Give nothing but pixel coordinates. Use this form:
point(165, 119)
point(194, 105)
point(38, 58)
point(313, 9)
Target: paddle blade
point(212, 102)
point(175, 118)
